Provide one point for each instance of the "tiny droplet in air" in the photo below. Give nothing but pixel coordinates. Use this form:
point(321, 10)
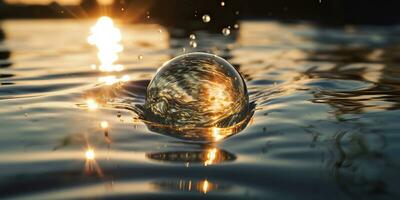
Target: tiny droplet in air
point(193, 44)
point(226, 31)
point(206, 18)
point(192, 36)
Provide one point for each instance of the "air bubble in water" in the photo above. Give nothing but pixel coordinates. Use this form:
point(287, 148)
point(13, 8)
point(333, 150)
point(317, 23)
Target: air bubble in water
point(206, 18)
point(226, 31)
point(197, 96)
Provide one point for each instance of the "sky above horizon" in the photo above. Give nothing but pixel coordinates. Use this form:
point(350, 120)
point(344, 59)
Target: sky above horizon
point(64, 2)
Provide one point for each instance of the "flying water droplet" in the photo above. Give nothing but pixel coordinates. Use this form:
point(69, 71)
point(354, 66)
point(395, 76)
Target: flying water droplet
point(206, 18)
point(226, 31)
point(192, 36)
point(193, 44)
point(222, 3)
point(148, 15)
point(140, 57)
point(197, 96)
point(236, 26)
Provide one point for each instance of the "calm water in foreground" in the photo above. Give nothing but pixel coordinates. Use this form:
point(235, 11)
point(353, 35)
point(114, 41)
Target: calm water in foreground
point(326, 122)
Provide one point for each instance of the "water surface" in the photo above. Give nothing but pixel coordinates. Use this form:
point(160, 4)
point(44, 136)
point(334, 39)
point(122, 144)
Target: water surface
point(325, 124)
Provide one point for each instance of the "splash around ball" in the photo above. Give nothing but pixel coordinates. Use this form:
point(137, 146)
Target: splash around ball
point(197, 96)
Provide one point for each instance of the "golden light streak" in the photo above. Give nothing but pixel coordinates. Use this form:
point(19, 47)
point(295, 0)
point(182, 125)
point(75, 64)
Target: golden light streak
point(216, 134)
point(204, 186)
point(211, 156)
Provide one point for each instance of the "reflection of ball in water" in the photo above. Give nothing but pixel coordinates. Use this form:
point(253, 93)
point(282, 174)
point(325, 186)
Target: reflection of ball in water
point(197, 90)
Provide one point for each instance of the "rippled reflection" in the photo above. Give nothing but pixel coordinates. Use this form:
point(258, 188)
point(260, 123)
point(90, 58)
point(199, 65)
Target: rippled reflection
point(107, 39)
point(202, 186)
point(207, 156)
point(359, 165)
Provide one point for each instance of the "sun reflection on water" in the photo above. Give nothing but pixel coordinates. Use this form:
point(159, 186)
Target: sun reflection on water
point(89, 154)
point(203, 186)
point(106, 37)
point(91, 104)
point(91, 164)
point(211, 156)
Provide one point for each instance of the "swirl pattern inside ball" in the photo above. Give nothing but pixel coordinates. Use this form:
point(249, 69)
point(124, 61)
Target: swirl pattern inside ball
point(197, 90)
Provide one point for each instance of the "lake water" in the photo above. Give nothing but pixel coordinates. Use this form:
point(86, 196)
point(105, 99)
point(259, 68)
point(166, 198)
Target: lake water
point(325, 126)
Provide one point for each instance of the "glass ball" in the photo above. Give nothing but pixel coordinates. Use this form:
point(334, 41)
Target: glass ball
point(194, 94)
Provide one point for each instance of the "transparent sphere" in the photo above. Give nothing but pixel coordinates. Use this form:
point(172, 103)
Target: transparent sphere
point(196, 93)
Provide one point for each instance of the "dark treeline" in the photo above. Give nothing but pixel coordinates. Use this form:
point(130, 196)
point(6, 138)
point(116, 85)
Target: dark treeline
point(180, 12)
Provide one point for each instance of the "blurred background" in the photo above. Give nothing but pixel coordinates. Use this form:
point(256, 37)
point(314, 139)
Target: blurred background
point(337, 12)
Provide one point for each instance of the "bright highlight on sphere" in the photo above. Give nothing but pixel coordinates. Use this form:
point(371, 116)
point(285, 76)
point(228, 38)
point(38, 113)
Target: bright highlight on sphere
point(197, 90)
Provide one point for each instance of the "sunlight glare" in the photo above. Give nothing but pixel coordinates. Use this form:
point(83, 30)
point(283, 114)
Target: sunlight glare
point(92, 104)
point(205, 186)
point(104, 124)
point(106, 37)
point(89, 154)
point(216, 134)
point(211, 155)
